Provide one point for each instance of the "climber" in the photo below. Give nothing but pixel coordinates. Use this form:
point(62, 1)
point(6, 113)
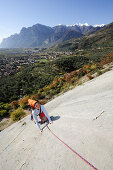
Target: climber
point(38, 109)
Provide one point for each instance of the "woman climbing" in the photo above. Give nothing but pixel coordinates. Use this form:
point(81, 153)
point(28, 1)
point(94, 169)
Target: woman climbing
point(39, 110)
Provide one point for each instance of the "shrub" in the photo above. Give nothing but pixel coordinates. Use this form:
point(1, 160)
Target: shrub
point(66, 86)
point(58, 90)
point(106, 59)
point(99, 72)
point(74, 80)
point(36, 96)
point(43, 101)
point(14, 104)
point(90, 76)
point(93, 66)
point(17, 114)
point(4, 109)
point(3, 113)
point(51, 93)
point(24, 102)
point(73, 73)
point(42, 95)
point(7, 107)
point(81, 73)
point(86, 68)
point(67, 77)
point(45, 89)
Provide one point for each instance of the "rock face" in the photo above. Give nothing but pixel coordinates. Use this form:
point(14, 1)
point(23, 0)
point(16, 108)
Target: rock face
point(83, 118)
point(43, 36)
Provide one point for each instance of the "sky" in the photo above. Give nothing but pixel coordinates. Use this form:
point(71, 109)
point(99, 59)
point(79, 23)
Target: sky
point(15, 14)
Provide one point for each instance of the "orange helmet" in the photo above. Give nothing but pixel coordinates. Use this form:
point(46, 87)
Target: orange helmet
point(33, 102)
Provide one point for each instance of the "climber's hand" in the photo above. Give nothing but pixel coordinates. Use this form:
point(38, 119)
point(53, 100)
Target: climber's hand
point(51, 122)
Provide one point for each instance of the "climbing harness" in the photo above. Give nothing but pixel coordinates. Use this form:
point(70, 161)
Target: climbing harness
point(72, 150)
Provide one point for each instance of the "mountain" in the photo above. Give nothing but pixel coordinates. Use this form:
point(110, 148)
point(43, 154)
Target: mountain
point(44, 36)
point(93, 38)
point(28, 37)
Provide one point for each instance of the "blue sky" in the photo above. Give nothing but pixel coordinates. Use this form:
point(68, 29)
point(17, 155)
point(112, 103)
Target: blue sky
point(15, 14)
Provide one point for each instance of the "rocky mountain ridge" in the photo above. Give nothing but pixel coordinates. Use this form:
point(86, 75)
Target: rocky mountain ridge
point(44, 36)
point(93, 38)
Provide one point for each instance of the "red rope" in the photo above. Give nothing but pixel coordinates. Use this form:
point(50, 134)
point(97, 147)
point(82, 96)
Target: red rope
point(73, 150)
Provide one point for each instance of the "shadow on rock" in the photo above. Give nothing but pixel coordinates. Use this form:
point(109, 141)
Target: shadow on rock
point(53, 118)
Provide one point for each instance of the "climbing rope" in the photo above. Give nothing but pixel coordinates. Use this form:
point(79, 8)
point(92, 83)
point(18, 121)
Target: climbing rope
point(72, 150)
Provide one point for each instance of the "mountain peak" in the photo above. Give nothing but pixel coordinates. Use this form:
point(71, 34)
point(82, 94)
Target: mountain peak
point(78, 24)
point(102, 25)
point(85, 24)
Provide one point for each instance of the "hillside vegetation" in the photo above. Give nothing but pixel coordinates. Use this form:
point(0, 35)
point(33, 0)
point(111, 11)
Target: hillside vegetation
point(41, 83)
point(36, 76)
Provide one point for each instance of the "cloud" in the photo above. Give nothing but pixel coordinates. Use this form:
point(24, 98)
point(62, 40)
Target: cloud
point(1, 38)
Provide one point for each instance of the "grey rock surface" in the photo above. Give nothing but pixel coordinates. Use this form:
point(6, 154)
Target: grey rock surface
point(82, 118)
